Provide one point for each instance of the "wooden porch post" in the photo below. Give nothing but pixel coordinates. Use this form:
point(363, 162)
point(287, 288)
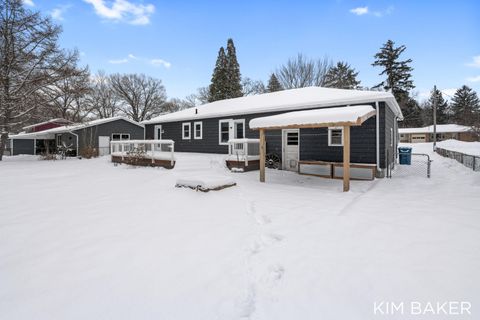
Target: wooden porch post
point(346, 158)
point(262, 155)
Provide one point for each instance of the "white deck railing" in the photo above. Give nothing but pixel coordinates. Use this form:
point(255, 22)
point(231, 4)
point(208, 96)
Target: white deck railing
point(149, 149)
point(244, 149)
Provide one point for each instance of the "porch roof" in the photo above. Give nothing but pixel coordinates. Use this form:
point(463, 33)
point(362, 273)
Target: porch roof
point(326, 117)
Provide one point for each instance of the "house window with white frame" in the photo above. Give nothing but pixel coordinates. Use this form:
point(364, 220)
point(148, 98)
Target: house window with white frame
point(230, 129)
point(197, 130)
point(335, 136)
point(186, 131)
point(120, 136)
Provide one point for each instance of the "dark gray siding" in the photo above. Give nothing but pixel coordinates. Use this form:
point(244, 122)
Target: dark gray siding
point(210, 135)
point(89, 136)
point(313, 142)
point(23, 146)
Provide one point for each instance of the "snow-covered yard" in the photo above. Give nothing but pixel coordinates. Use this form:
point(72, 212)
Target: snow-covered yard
point(83, 239)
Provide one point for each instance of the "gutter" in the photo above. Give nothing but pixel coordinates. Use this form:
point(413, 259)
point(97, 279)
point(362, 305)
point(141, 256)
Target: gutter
point(377, 135)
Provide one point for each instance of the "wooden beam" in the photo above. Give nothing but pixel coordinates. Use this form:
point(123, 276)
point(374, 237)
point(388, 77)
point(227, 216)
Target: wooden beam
point(262, 155)
point(346, 158)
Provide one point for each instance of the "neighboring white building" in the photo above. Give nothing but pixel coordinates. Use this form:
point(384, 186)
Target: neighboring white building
point(444, 132)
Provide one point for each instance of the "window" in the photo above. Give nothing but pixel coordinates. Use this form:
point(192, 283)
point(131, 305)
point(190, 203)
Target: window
point(335, 137)
point(292, 138)
point(186, 130)
point(230, 129)
point(224, 131)
point(59, 140)
point(197, 130)
point(158, 132)
point(120, 136)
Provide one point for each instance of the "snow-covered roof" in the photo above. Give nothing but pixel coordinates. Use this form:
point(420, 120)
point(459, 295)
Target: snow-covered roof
point(351, 115)
point(441, 128)
point(286, 100)
point(56, 120)
point(49, 134)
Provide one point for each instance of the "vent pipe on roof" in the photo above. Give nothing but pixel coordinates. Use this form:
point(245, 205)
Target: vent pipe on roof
point(196, 111)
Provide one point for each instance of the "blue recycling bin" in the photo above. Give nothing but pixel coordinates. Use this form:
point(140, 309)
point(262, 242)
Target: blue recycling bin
point(405, 155)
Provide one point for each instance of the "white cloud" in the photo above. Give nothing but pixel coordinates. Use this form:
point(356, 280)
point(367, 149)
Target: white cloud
point(123, 11)
point(28, 3)
point(118, 61)
point(474, 79)
point(57, 13)
point(160, 63)
point(359, 11)
point(131, 57)
point(475, 63)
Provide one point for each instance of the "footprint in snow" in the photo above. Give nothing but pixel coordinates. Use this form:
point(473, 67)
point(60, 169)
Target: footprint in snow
point(246, 305)
point(274, 274)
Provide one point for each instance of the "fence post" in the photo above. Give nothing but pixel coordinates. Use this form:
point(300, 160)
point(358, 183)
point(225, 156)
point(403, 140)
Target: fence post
point(245, 152)
point(122, 149)
point(153, 152)
point(172, 157)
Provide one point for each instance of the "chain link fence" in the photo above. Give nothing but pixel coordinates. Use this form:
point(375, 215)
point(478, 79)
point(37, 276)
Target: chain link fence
point(420, 165)
point(469, 161)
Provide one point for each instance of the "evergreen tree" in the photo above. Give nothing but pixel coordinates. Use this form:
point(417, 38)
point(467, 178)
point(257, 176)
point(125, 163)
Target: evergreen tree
point(442, 109)
point(465, 106)
point(234, 85)
point(274, 84)
point(342, 76)
point(398, 73)
point(219, 88)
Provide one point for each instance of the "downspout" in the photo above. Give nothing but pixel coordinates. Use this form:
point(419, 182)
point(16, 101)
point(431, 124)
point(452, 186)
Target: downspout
point(377, 135)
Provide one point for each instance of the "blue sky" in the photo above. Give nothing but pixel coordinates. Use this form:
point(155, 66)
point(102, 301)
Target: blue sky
point(177, 41)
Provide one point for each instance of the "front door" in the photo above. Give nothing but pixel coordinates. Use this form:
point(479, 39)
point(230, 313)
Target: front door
point(103, 145)
point(158, 132)
point(290, 142)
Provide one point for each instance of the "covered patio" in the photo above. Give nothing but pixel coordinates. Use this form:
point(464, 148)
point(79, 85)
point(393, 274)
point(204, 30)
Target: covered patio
point(344, 117)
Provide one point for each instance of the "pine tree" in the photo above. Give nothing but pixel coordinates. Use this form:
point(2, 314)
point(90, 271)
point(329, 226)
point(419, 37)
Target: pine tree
point(342, 76)
point(398, 72)
point(465, 106)
point(442, 109)
point(234, 84)
point(274, 84)
point(219, 88)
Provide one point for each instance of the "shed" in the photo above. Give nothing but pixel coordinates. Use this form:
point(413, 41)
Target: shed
point(79, 138)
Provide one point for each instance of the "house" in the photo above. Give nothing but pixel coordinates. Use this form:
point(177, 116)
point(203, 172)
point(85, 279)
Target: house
point(77, 138)
point(50, 124)
point(444, 132)
point(210, 127)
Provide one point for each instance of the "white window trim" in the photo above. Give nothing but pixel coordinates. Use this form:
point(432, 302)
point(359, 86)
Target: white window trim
point(186, 124)
point(330, 144)
point(229, 121)
point(155, 133)
point(195, 130)
point(242, 121)
point(231, 129)
point(120, 134)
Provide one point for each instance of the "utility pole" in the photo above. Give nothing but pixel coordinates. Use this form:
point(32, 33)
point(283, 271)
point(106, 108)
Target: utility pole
point(434, 118)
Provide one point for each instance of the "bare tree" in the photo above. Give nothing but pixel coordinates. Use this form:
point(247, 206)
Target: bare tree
point(66, 98)
point(300, 72)
point(252, 87)
point(141, 97)
point(102, 99)
point(30, 59)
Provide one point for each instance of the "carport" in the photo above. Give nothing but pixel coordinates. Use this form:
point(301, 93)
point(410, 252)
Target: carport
point(344, 117)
